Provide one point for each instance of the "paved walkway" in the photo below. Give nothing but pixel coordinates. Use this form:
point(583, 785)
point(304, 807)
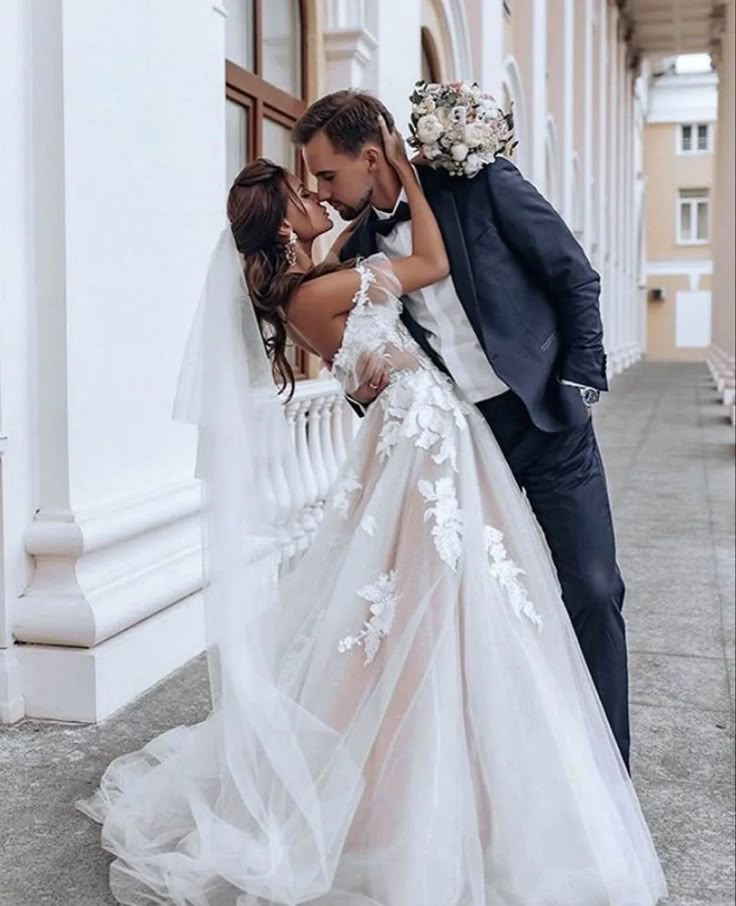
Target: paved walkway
point(670, 457)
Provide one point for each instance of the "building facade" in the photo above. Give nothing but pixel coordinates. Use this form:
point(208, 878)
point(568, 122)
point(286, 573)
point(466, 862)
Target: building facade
point(679, 171)
point(123, 125)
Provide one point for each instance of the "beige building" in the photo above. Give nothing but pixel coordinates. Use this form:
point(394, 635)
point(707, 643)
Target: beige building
point(679, 149)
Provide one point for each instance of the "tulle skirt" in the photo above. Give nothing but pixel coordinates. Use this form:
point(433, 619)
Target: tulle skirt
point(423, 730)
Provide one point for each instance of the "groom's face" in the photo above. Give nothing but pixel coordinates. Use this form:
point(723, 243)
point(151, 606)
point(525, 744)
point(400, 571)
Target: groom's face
point(344, 181)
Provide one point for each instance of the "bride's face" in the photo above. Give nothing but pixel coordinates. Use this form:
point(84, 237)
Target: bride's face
point(308, 218)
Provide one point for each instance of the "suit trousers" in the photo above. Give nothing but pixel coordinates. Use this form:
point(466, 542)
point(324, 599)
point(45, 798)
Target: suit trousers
point(564, 480)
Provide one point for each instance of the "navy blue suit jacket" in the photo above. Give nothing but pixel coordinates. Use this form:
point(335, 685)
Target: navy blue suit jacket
point(525, 283)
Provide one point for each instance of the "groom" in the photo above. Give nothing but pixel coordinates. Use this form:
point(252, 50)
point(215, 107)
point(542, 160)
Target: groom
point(517, 326)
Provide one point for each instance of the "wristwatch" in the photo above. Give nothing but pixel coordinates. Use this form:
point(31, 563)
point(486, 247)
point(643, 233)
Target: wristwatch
point(589, 395)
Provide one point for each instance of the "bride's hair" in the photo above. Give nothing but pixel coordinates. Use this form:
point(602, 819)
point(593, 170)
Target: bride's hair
point(256, 208)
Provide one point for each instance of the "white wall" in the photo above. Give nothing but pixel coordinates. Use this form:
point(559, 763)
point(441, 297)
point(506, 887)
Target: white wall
point(398, 54)
point(683, 98)
point(115, 179)
point(17, 346)
point(144, 151)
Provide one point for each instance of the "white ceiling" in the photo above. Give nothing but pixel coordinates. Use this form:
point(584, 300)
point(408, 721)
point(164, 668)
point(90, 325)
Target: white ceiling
point(668, 27)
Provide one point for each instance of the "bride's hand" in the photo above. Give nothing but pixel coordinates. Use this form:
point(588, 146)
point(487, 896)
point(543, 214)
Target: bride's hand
point(393, 145)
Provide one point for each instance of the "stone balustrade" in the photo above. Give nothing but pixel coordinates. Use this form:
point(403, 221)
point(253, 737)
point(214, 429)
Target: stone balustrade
point(322, 426)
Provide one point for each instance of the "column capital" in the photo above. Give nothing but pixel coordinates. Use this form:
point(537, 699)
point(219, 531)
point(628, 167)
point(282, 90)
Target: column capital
point(357, 44)
point(348, 52)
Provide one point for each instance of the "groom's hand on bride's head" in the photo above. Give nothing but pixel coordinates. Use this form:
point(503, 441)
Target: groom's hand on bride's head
point(371, 377)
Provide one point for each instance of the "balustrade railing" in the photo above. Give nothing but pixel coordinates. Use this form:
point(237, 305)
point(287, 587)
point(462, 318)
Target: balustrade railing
point(322, 426)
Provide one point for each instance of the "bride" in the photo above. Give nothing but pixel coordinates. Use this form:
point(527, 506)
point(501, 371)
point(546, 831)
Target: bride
point(405, 719)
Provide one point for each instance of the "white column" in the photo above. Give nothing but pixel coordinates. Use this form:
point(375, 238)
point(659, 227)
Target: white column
point(18, 430)
point(631, 222)
point(587, 150)
point(568, 108)
point(613, 189)
point(722, 353)
point(614, 203)
point(12, 706)
point(538, 93)
point(115, 541)
point(603, 153)
point(623, 209)
point(491, 27)
point(349, 45)
point(640, 199)
point(398, 55)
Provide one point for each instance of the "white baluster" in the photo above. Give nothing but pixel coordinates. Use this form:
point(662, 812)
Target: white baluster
point(309, 481)
point(314, 435)
point(279, 483)
point(328, 446)
point(294, 475)
point(338, 430)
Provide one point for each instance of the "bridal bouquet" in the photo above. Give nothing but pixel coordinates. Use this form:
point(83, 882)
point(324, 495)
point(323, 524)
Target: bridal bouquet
point(458, 128)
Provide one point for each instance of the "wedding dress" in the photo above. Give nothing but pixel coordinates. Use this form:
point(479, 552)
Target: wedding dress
point(423, 730)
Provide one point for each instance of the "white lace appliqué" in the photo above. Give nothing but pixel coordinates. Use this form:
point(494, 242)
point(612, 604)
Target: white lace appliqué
point(368, 525)
point(422, 407)
point(448, 528)
point(382, 598)
point(370, 327)
point(343, 491)
point(506, 572)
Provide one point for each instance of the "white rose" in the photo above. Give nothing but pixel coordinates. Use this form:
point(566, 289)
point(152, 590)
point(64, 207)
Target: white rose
point(486, 111)
point(427, 106)
point(429, 129)
point(431, 151)
point(459, 152)
point(458, 114)
point(473, 164)
point(475, 135)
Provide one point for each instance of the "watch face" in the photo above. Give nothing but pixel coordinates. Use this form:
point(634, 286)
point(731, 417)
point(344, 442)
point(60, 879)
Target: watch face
point(590, 396)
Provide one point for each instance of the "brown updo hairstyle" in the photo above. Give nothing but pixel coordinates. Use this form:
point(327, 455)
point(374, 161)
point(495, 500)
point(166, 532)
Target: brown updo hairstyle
point(256, 208)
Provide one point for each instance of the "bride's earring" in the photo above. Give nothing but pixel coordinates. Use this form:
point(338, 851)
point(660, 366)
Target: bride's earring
point(291, 248)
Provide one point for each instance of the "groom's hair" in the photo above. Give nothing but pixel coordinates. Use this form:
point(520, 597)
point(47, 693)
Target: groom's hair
point(349, 119)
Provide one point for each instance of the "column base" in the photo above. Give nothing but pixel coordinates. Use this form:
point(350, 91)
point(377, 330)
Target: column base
point(89, 684)
point(12, 705)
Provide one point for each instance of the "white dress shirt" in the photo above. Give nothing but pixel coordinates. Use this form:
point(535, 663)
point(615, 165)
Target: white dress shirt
point(439, 312)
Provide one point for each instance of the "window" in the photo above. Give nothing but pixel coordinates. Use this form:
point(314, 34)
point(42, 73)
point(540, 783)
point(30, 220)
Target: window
point(694, 138)
point(693, 215)
point(264, 75)
point(265, 90)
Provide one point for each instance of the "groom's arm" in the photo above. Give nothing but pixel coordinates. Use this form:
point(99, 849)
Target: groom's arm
point(535, 231)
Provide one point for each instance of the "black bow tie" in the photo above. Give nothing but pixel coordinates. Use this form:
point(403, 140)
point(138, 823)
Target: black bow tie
point(382, 226)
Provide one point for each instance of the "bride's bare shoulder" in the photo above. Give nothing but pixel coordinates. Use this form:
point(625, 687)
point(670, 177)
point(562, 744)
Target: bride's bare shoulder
point(328, 294)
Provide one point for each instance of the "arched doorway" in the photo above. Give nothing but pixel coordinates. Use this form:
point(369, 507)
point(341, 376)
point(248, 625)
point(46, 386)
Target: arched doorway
point(445, 40)
point(431, 66)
